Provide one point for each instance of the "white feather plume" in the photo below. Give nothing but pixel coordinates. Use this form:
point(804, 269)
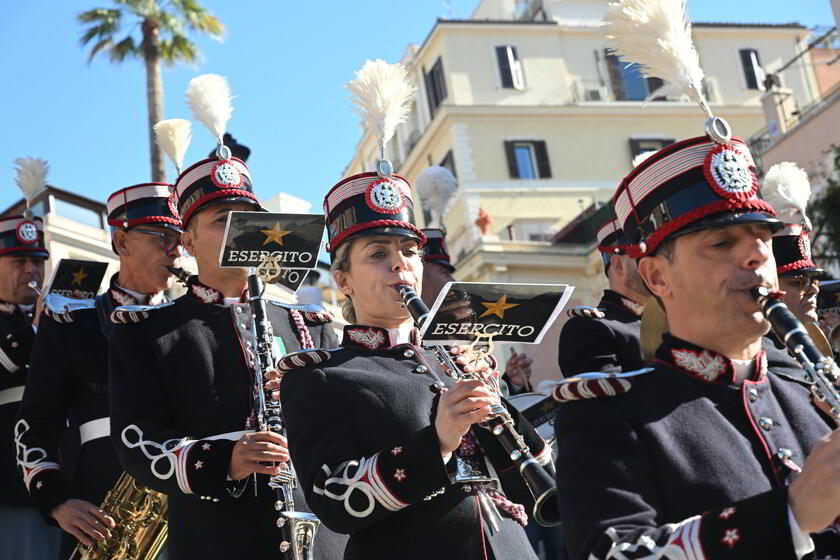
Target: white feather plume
point(210, 100)
point(656, 35)
point(639, 159)
point(382, 96)
point(31, 176)
point(787, 189)
point(436, 185)
point(174, 137)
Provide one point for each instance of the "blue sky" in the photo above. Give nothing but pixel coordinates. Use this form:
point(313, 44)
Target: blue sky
point(287, 63)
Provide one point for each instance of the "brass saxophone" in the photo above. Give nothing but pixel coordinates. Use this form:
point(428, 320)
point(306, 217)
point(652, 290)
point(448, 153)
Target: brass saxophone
point(141, 526)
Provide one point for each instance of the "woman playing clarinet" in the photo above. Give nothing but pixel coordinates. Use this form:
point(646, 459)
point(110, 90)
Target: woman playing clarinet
point(385, 444)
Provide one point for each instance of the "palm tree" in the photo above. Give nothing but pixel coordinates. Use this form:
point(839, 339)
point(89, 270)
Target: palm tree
point(163, 26)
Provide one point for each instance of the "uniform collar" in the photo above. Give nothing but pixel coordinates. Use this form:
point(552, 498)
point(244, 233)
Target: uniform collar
point(624, 302)
point(703, 364)
point(8, 308)
point(376, 338)
point(206, 294)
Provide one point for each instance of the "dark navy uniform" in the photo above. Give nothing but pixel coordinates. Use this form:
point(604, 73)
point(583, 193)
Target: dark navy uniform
point(609, 344)
point(361, 434)
point(16, 338)
point(687, 463)
point(66, 398)
point(181, 396)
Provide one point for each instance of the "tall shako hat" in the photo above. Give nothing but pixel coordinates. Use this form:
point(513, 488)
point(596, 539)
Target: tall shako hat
point(435, 250)
point(381, 202)
point(25, 233)
point(787, 188)
point(699, 183)
point(223, 178)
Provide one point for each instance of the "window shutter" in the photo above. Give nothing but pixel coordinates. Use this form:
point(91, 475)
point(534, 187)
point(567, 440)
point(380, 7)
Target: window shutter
point(516, 69)
point(513, 169)
point(542, 159)
point(616, 77)
point(753, 72)
point(430, 92)
point(440, 81)
point(504, 67)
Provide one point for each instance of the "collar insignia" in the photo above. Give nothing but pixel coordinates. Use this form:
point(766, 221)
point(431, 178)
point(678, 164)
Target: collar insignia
point(636, 308)
point(703, 364)
point(367, 337)
point(121, 297)
point(206, 294)
point(7, 308)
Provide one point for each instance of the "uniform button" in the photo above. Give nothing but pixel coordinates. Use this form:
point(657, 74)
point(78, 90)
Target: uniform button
point(409, 353)
point(237, 309)
point(752, 394)
point(421, 369)
point(247, 344)
point(242, 326)
point(766, 423)
point(784, 453)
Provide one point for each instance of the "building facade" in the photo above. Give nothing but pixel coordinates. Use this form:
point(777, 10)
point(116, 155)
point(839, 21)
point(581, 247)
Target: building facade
point(538, 121)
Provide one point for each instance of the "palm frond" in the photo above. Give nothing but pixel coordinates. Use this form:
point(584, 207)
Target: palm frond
point(102, 44)
point(178, 48)
point(200, 19)
point(124, 49)
point(105, 24)
point(170, 23)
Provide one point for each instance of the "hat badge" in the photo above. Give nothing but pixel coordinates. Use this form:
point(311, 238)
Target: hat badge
point(729, 173)
point(27, 232)
point(225, 175)
point(805, 245)
point(384, 196)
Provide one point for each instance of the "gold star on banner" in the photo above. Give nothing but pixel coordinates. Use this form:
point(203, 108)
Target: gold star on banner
point(274, 234)
point(837, 297)
point(78, 276)
point(497, 308)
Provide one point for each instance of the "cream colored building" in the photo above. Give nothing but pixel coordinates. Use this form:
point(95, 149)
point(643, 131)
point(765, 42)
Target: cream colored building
point(538, 122)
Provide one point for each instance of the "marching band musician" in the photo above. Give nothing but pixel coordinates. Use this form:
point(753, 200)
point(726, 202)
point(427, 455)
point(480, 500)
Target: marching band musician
point(182, 379)
point(607, 339)
point(716, 453)
point(23, 532)
point(373, 424)
point(67, 386)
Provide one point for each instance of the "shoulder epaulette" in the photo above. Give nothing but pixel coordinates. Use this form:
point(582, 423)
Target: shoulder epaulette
point(302, 358)
point(127, 314)
point(312, 313)
point(595, 385)
point(585, 312)
point(60, 309)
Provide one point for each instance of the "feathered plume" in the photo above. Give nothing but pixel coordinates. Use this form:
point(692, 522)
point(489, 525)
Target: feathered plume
point(639, 159)
point(174, 136)
point(209, 98)
point(656, 35)
point(787, 189)
point(382, 96)
point(31, 177)
point(436, 185)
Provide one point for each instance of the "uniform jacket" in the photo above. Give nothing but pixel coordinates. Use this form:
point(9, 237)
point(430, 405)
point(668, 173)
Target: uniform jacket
point(181, 395)
point(66, 399)
point(16, 338)
point(362, 437)
point(687, 464)
point(609, 344)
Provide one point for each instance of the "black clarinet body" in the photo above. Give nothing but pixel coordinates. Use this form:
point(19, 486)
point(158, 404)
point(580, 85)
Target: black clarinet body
point(297, 529)
point(180, 274)
point(539, 482)
point(820, 370)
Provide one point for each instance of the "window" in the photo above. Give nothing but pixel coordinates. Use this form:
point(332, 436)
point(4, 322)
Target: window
point(81, 214)
point(448, 162)
point(531, 229)
point(627, 81)
point(510, 69)
point(639, 146)
point(753, 73)
point(527, 159)
point(435, 86)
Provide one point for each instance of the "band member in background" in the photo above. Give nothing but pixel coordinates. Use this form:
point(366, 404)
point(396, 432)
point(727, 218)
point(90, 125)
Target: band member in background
point(438, 270)
point(787, 188)
point(23, 533)
point(67, 386)
point(607, 339)
point(182, 417)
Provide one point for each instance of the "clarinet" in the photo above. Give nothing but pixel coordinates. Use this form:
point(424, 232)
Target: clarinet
point(180, 274)
point(820, 370)
point(500, 424)
point(297, 528)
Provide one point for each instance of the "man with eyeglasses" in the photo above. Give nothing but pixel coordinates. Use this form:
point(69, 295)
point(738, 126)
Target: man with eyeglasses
point(66, 395)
